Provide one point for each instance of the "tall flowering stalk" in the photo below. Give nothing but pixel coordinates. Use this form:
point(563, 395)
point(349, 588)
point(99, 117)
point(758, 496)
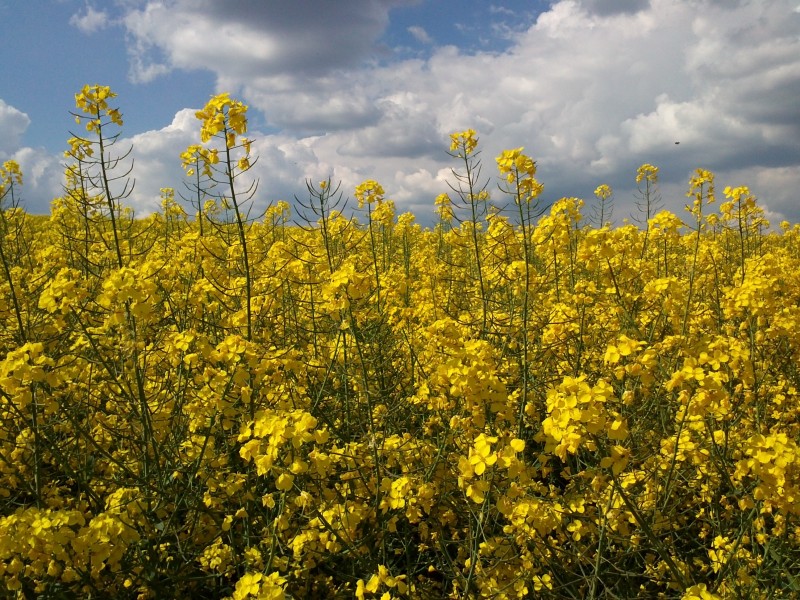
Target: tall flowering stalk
point(701, 188)
point(224, 120)
point(740, 208)
point(649, 200)
point(519, 171)
point(94, 155)
point(604, 208)
point(473, 196)
point(195, 161)
point(324, 202)
point(10, 227)
point(370, 196)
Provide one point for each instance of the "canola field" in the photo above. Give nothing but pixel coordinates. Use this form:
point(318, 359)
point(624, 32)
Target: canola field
point(520, 402)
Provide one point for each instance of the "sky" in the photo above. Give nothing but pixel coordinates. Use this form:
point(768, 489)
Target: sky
point(372, 89)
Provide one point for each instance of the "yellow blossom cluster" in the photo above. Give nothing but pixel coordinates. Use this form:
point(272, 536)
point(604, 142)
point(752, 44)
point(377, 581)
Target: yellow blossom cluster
point(512, 404)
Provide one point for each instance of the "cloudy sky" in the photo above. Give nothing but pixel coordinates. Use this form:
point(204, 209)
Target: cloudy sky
point(357, 89)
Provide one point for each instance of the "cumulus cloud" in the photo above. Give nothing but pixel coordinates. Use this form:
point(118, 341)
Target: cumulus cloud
point(420, 34)
point(317, 105)
point(615, 7)
point(42, 178)
point(90, 20)
point(13, 123)
point(411, 122)
point(156, 160)
point(41, 172)
point(255, 39)
point(592, 89)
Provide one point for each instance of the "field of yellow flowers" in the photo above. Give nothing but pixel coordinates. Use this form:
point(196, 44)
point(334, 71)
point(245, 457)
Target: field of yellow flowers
point(513, 404)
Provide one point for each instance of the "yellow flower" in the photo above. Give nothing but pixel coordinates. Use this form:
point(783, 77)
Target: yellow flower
point(463, 143)
point(701, 186)
point(603, 192)
point(517, 445)
point(92, 100)
point(284, 482)
point(10, 174)
point(648, 173)
point(618, 459)
point(222, 114)
point(477, 491)
point(368, 192)
point(248, 585)
point(699, 592)
point(519, 170)
point(444, 207)
point(481, 455)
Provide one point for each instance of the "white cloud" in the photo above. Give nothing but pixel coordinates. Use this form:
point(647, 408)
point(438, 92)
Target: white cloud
point(42, 178)
point(313, 106)
point(156, 156)
point(420, 34)
point(252, 38)
point(41, 171)
point(90, 20)
point(13, 123)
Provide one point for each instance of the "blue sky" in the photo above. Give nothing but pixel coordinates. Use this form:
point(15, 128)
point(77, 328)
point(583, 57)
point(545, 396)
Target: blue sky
point(357, 89)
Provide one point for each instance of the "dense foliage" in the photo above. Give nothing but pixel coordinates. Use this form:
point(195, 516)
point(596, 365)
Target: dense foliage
point(512, 404)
